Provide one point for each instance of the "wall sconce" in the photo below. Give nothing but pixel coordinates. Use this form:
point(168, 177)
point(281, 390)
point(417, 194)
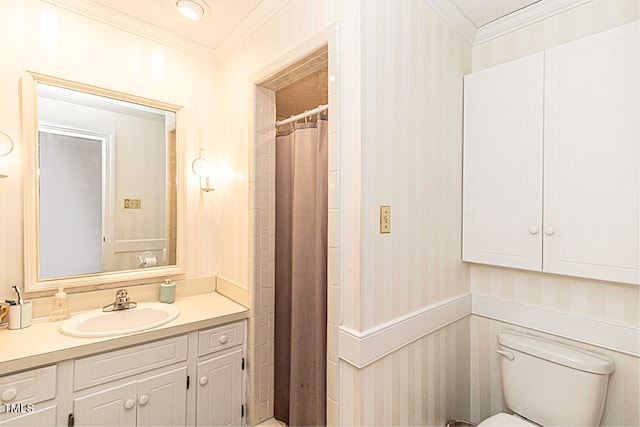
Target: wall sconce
point(201, 168)
point(6, 147)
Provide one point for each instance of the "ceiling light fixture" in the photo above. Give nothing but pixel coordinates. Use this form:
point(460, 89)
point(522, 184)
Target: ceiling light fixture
point(192, 9)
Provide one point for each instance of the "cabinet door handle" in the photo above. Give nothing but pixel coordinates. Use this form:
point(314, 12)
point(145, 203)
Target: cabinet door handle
point(129, 404)
point(223, 339)
point(144, 399)
point(204, 380)
point(549, 231)
point(533, 229)
point(9, 394)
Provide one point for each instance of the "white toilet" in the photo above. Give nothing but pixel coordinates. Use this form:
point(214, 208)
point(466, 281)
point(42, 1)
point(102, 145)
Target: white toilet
point(550, 384)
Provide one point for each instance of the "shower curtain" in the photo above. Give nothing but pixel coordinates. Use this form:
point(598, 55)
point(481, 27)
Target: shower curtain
point(301, 275)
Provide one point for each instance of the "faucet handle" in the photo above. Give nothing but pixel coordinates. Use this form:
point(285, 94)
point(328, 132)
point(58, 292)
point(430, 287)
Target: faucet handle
point(122, 296)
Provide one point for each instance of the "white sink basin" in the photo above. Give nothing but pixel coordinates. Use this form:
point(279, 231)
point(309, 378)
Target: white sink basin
point(96, 323)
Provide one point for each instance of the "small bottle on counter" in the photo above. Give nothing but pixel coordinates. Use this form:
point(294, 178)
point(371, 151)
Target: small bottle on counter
point(60, 310)
point(167, 292)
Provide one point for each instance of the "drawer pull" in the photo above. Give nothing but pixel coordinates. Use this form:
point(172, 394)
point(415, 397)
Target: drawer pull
point(223, 339)
point(144, 399)
point(129, 404)
point(9, 394)
point(204, 380)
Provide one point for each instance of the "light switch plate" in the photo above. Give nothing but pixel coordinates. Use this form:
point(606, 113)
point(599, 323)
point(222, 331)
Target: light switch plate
point(385, 219)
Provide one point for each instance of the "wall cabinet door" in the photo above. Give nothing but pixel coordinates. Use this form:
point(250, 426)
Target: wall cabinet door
point(219, 393)
point(502, 198)
point(592, 157)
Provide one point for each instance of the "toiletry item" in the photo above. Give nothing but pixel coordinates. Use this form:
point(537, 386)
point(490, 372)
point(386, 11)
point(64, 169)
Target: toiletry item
point(167, 292)
point(60, 310)
point(20, 315)
point(18, 292)
point(4, 310)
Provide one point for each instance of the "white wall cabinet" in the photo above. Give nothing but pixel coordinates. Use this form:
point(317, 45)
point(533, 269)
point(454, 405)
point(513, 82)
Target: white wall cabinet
point(552, 160)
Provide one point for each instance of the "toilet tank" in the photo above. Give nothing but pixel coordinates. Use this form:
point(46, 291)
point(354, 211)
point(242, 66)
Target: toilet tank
point(553, 384)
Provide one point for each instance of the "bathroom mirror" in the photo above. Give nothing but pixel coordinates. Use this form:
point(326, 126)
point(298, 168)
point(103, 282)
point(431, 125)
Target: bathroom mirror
point(102, 200)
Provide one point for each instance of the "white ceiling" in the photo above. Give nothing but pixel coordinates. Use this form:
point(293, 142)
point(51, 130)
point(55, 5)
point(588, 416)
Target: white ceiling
point(227, 15)
point(223, 17)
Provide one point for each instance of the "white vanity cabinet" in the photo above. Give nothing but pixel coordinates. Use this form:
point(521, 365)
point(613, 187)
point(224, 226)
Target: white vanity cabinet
point(27, 398)
point(156, 401)
point(145, 385)
point(552, 160)
point(220, 373)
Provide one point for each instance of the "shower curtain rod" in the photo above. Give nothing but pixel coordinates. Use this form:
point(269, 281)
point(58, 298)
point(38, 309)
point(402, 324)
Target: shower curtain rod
point(308, 113)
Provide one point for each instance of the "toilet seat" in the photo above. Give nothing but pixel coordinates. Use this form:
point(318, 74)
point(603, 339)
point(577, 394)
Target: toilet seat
point(505, 420)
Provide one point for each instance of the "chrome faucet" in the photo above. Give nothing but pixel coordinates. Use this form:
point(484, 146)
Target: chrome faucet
point(122, 302)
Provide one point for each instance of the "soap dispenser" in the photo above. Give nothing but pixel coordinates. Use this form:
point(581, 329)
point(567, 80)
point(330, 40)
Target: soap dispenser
point(167, 291)
point(60, 310)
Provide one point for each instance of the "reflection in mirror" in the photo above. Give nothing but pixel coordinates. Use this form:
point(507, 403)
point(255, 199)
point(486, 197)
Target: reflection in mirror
point(106, 199)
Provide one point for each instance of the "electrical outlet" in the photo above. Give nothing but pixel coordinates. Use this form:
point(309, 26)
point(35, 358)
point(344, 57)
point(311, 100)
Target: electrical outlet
point(385, 219)
point(132, 203)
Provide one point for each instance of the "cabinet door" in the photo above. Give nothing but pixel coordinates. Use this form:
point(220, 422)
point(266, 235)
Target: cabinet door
point(41, 417)
point(162, 399)
point(219, 395)
point(502, 185)
point(113, 407)
point(592, 157)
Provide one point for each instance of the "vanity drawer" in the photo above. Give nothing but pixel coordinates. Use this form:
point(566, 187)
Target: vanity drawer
point(36, 385)
point(219, 338)
point(111, 366)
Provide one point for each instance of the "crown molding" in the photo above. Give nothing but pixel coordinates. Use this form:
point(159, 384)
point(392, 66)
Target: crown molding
point(526, 16)
point(514, 21)
point(262, 13)
point(124, 22)
point(454, 17)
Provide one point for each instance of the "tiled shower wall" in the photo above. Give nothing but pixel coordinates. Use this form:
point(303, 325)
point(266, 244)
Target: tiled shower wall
point(262, 208)
point(262, 247)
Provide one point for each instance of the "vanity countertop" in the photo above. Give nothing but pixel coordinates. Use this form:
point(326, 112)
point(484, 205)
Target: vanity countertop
point(42, 343)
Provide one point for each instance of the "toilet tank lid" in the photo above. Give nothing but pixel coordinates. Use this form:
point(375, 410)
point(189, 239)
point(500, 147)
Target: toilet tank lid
point(559, 353)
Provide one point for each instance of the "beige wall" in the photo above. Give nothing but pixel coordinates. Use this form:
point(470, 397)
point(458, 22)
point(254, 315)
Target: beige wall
point(413, 64)
point(605, 301)
point(40, 37)
point(425, 383)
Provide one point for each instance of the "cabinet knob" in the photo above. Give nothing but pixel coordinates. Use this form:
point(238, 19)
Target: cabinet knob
point(223, 339)
point(533, 229)
point(204, 380)
point(549, 231)
point(9, 394)
point(144, 399)
point(129, 404)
